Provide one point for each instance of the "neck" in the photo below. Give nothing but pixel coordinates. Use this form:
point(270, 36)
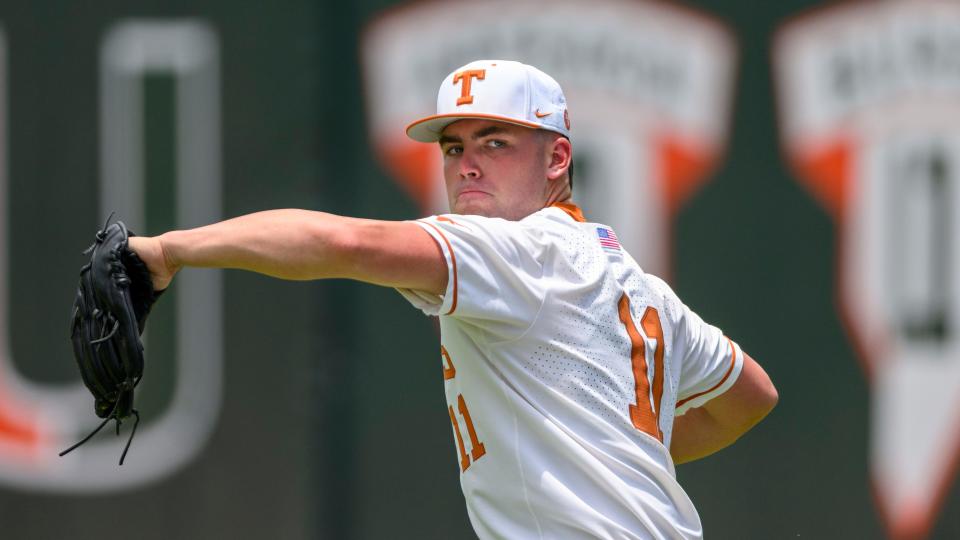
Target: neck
point(558, 192)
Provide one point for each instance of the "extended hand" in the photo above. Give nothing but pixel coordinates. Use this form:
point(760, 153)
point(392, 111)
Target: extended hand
point(150, 250)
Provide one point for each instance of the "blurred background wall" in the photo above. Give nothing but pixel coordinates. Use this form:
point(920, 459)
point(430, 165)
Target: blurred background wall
point(315, 410)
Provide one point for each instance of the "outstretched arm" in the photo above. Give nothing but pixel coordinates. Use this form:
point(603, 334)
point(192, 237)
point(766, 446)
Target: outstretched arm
point(722, 420)
point(302, 245)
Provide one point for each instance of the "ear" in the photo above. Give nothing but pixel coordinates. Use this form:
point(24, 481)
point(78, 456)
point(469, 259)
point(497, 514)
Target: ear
point(559, 153)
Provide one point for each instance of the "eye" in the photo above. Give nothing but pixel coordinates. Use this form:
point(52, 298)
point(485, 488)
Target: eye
point(453, 150)
point(496, 143)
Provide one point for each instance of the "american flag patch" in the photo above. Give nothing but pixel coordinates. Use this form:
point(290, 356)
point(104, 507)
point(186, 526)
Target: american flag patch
point(608, 239)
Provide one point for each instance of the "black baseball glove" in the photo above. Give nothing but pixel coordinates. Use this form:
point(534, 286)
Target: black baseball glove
point(113, 300)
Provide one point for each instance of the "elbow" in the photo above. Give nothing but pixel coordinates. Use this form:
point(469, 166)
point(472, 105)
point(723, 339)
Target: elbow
point(759, 394)
point(348, 247)
point(760, 403)
point(768, 399)
point(335, 244)
point(769, 404)
point(773, 398)
point(761, 406)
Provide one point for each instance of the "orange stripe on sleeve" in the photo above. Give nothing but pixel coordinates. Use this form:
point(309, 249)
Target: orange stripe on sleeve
point(733, 362)
point(453, 260)
point(448, 220)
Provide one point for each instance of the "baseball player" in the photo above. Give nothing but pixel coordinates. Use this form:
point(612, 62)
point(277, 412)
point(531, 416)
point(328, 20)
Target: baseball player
point(574, 380)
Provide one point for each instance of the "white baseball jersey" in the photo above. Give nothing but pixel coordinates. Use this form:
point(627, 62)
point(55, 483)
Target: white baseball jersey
point(564, 365)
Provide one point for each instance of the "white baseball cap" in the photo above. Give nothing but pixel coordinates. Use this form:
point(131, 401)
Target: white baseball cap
point(501, 90)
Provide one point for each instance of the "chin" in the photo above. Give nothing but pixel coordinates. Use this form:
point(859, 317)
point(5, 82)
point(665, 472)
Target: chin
point(475, 209)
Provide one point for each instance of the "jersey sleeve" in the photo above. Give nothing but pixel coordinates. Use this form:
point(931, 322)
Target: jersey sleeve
point(494, 273)
point(711, 362)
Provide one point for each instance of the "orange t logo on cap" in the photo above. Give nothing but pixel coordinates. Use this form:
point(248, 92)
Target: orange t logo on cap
point(467, 77)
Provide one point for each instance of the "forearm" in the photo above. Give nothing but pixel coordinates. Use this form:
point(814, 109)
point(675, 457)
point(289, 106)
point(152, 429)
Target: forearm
point(289, 244)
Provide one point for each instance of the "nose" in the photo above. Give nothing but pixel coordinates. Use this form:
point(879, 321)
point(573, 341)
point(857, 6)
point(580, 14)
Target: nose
point(468, 166)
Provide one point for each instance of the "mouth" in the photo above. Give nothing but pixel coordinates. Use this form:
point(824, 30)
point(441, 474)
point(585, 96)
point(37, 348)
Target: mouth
point(471, 193)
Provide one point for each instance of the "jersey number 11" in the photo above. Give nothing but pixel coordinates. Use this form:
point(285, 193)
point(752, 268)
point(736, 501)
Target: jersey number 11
point(645, 412)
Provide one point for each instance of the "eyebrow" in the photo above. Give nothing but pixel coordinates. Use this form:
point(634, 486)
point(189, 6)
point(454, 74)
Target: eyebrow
point(489, 130)
point(444, 139)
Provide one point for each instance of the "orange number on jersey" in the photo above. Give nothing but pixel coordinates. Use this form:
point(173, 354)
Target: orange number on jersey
point(645, 413)
point(464, 458)
point(449, 371)
point(477, 449)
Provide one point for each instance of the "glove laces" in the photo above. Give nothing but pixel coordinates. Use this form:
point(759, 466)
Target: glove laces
point(111, 416)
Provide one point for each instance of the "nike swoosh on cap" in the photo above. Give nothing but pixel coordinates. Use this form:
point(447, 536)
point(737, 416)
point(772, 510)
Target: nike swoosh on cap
point(540, 114)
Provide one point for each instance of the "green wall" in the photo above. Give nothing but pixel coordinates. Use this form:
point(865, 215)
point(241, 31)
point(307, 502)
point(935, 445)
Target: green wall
point(333, 422)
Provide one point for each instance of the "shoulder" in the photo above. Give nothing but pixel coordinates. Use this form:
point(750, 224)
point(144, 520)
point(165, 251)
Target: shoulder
point(544, 227)
point(552, 225)
point(659, 291)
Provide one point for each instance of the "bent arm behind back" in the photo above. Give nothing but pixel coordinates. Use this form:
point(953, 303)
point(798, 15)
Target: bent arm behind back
point(722, 420)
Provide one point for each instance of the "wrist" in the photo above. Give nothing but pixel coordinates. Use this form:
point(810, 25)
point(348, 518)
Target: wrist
point(167, 243)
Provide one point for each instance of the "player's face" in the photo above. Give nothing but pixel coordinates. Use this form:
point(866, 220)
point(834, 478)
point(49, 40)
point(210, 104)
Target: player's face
point(494, 169)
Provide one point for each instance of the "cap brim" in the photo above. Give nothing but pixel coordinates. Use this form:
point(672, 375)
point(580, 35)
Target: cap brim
point(429, 129)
